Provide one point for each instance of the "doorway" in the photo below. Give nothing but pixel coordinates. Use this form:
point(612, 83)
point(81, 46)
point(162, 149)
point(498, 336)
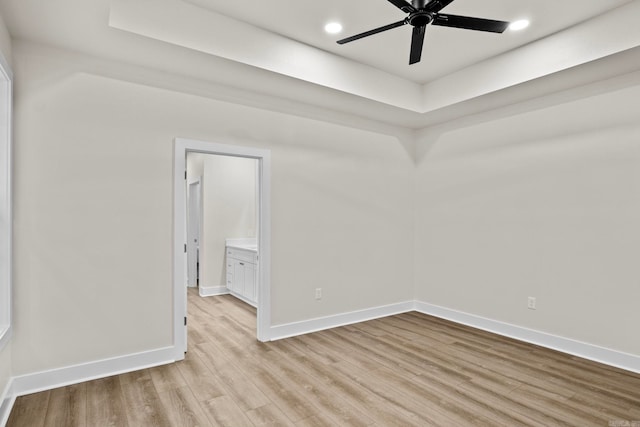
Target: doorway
point(263, 233)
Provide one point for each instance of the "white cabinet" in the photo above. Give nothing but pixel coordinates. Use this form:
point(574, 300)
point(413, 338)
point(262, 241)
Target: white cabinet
point(241, 274)
point(250, 282)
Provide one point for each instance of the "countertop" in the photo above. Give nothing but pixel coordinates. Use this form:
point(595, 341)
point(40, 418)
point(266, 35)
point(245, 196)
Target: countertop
point(245, 243)
point(253, 248)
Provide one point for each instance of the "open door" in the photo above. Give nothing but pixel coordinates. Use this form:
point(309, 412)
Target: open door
point(193, 233)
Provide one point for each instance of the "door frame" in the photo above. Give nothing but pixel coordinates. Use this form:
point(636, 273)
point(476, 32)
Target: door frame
point(6, 202)
point(181, 147)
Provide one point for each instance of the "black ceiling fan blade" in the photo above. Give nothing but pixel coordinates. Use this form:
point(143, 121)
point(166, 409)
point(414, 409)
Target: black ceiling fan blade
point(403, 6)
point(469, 23)
point(437, 5)
point(417, 40)
point(372, 32)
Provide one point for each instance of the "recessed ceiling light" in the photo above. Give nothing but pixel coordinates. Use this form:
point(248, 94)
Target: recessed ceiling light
point(333, 27)
point(519, 25)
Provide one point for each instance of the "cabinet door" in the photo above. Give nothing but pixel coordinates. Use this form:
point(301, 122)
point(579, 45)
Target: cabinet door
point(238, 276)
point(250, 291)
point(230, 281)
point(229, 271)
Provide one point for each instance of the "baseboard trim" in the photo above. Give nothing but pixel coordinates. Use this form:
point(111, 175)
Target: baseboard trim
point(318, 324)
point(584, 350)
point(46, 380)
point(7, 399)
point(211, 291)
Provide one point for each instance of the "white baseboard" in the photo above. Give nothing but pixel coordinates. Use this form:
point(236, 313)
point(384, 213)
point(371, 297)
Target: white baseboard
point(46, 380)
point(210, 291)
point(242, 298)
point(318, 324)
point(7, 399)
point(603, 355)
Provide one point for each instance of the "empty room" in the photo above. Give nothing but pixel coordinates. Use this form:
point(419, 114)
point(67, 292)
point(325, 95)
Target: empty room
point(319, 213)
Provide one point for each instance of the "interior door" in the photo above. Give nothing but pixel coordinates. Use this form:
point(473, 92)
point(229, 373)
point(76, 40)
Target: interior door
point(193, 233)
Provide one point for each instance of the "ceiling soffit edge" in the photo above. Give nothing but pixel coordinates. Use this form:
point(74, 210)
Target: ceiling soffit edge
point(609, 34)
point(184, 24)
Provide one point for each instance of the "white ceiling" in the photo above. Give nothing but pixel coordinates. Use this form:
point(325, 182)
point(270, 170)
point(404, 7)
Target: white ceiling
point(274, 54)
point(445, 49)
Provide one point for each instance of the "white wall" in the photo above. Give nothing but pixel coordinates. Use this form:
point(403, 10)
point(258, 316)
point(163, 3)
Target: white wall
point(524, 202)
point(195, 166)
point(94, 200)
point(228, 211)
point(539, 200)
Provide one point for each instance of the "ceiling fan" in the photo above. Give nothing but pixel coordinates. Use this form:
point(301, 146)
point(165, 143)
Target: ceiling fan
point(424, 12)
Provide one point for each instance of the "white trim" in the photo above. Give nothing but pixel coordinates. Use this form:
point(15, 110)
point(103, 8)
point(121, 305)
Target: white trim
point(7, 399)
point(6, 145)
point(210, 291)
point(592, 352)
point(584, 350)
point(243, 299)
point(182, 146)
point(47, 380)
point(320, 323)
point(6, 332)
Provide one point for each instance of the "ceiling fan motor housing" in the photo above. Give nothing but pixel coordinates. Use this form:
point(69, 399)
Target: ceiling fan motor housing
point(420, 18)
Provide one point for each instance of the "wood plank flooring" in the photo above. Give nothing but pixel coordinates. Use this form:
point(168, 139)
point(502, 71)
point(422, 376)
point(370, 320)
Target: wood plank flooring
point(405, 370)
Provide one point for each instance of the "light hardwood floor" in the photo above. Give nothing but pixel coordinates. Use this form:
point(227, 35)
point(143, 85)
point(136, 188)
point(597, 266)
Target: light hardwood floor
point(405, 370)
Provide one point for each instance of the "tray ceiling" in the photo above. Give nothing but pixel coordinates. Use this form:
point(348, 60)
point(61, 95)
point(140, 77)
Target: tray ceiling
point(275, 54)
point(445, 50)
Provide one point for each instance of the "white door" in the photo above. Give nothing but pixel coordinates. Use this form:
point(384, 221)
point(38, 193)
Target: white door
point(193, 233)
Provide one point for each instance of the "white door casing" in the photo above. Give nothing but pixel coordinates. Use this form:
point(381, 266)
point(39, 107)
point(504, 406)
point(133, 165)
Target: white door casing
point(6, 215)
point(181, 147)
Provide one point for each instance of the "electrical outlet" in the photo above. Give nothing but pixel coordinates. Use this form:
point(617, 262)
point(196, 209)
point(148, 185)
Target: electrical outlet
point(318, 293)
point(531, 303)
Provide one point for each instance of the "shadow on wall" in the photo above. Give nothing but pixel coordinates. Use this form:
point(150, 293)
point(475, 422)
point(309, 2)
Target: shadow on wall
point(583, 118)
